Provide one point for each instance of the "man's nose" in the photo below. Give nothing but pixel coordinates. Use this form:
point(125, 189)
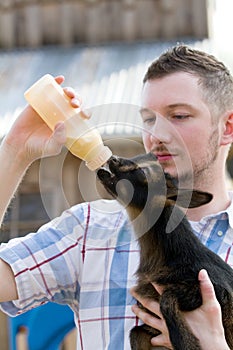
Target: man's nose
point(161, 130)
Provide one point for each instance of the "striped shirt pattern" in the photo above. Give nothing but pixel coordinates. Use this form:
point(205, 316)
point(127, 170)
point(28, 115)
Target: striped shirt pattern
point(87, 258)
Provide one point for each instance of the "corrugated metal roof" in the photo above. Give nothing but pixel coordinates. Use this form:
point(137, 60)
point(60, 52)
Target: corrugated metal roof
point(108, 77)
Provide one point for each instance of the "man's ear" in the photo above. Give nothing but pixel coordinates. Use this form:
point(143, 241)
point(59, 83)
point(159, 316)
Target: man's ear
point(227, 134)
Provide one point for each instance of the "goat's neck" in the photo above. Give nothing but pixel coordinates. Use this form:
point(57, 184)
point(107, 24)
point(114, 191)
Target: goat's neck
point(170, 235)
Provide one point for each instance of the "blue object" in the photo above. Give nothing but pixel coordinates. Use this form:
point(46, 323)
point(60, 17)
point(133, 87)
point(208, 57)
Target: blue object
point(47, 326)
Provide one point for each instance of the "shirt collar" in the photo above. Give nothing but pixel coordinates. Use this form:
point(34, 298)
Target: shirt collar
point(229, 210)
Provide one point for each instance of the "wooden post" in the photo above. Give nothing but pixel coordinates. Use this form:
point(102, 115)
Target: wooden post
point(65, 29)
point(148, 19)
point(7, 24)
point(78, 19)
point(115, 20)
point(33, 25)
point(129, 32)
point(168, 23)
point(199, 18)
point(50, 22)
point(93, 21)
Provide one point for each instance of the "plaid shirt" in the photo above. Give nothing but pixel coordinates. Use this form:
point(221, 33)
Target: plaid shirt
point(87, 259)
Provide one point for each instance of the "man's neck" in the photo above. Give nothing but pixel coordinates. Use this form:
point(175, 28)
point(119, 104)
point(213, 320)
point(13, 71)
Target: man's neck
point(220, 202)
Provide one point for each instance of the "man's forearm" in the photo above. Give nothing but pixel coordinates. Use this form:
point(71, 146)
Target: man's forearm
point(12, 170)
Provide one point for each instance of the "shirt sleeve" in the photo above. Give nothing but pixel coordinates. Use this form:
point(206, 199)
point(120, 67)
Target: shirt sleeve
point(47, 264)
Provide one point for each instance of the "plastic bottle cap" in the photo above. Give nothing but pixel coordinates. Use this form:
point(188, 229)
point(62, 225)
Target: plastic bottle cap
point(100, 159)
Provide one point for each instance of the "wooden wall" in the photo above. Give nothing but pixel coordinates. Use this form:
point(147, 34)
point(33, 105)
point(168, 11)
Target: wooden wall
point(32, 23)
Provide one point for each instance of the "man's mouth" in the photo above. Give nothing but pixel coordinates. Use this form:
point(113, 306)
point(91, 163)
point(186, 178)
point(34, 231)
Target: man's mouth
point(164, 157)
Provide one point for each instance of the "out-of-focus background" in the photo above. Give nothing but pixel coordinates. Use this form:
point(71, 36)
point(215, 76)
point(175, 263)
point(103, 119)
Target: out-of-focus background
point(103, 48)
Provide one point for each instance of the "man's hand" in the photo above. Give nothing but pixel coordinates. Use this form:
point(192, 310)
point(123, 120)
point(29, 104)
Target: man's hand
point(205, 322)
point(30, 138)
point(154, 322)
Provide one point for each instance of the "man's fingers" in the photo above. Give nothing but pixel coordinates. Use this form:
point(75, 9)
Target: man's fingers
point(158, 288)
point(147, 318)
point(56, 141)
point(60, 79)
point(207, 289)
point(147, 303)
point(75, 99)
point(153, 321)
point(161, 340)
point(60, 132)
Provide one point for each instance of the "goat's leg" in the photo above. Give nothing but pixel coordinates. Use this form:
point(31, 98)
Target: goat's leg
point(140, 338)
point(180, 335)
point(227, 317)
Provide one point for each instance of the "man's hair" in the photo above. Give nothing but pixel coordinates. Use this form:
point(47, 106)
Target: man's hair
point(214, 77)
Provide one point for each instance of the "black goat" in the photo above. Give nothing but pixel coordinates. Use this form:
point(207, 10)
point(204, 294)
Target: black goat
point(170, 254)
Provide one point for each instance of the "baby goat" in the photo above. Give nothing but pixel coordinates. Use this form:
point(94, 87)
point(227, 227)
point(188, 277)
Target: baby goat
point(170, 254)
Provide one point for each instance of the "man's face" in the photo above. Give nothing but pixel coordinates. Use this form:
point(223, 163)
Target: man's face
point(178, 127)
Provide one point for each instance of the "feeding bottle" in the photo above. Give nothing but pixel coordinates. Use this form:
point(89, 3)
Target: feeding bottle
point(48, 99)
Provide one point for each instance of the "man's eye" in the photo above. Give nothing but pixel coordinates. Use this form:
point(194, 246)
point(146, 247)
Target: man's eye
point(149, 121)
point(180, 116)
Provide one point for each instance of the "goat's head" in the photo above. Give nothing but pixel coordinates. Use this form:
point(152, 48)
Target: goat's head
point(141, 180)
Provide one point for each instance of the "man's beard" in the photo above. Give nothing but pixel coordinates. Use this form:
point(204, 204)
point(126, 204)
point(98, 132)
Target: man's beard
point(200, 173)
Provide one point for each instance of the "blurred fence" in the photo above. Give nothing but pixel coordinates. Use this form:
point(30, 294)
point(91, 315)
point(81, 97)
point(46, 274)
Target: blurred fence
point(32, 23)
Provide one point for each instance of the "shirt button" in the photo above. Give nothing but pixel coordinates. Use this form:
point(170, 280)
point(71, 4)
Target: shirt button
point(220, 233)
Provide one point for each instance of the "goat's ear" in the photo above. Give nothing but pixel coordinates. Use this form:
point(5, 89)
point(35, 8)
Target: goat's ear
point(190, 199)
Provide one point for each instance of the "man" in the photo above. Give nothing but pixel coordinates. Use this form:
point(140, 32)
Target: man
point(87, 258)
